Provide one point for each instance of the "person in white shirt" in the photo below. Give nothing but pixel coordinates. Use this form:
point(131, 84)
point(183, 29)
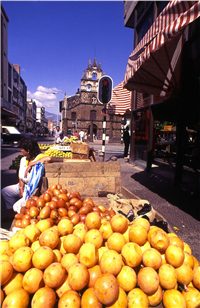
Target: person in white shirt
point(56, 133)
point(81, 135)
point(61, 139)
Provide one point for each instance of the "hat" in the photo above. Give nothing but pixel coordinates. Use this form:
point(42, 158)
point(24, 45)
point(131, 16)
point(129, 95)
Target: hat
point(61, 134)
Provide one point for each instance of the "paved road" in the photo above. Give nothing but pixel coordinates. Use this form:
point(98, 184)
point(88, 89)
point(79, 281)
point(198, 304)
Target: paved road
point(177, 205)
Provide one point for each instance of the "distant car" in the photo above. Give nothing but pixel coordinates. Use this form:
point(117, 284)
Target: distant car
point(11, 135)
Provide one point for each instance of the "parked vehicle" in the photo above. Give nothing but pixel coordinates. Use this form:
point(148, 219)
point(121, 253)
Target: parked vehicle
point(11, 135)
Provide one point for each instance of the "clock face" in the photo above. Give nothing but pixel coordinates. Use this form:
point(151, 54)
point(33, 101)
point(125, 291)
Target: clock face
point(89, 87)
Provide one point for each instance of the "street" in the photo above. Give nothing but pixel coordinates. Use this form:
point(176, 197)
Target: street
point(177, 205)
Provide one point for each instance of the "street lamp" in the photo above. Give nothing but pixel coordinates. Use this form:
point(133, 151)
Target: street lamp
point(65, 106)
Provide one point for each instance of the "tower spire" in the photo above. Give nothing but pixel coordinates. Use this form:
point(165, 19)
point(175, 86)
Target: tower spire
point(94, 64)
point(89, 65)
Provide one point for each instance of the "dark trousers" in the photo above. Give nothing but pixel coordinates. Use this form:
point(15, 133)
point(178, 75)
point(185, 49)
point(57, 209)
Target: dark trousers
point(126, 146)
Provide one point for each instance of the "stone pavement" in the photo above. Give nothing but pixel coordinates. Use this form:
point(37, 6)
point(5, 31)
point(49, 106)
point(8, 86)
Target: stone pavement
point(176, 204)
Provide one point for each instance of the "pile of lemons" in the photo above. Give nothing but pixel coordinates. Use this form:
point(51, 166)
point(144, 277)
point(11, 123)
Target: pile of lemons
point(44, 146)
point(56, 153)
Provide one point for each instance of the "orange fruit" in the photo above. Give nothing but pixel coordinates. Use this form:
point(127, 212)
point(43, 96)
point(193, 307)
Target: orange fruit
point(44, 297)
point(54, 275)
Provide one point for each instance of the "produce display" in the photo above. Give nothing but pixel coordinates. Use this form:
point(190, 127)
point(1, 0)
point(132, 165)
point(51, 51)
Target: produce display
point(71, 252)
point(57, 153)
point(16, 162)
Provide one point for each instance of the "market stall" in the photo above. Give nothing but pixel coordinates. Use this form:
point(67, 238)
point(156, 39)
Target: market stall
point(87, 239)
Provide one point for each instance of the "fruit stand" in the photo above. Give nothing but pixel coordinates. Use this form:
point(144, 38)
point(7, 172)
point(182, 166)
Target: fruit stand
point(86, 241)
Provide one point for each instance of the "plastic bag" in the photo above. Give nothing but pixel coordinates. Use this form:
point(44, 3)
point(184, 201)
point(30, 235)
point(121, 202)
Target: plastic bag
point(37, 173)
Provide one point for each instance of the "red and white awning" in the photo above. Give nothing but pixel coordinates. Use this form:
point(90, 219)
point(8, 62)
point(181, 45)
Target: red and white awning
point(121, 100)
point(154, 65)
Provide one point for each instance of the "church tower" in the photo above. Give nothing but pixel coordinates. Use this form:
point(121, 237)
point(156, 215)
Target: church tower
point(91, 76)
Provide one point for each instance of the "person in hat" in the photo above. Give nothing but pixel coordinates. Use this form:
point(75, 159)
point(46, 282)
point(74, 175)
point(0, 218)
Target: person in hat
point(61, 138)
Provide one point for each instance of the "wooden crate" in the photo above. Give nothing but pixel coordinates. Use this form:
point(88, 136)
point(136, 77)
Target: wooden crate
point(88, 178)
point(79, 156)
point(79, 150)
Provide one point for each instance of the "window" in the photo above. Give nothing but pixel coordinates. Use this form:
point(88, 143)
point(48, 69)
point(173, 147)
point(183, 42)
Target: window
point(73, 116)
point(161, 5)
point(9, 75)
point(93, 115)
point(94, 76)
point(15, 76)
point(145, 24)
point(9, 96)
point(111, 117)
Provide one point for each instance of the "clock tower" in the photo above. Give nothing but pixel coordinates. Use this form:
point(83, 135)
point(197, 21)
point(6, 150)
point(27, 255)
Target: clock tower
point(91, 76)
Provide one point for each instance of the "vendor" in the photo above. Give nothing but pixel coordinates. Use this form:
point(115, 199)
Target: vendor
point(61, 139)
point(15, 195)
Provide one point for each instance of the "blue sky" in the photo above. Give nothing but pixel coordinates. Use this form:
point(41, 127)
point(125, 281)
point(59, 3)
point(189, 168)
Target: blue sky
point(52, 41)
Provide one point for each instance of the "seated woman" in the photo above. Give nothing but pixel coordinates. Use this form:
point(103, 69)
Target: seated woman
point(61, 139)
point(15, 196)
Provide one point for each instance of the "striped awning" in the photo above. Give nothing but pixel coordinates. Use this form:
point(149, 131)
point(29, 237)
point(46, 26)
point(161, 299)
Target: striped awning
point(121, 100)
point(154, 65)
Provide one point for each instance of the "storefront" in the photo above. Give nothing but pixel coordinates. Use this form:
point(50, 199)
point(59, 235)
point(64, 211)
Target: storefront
point(163, 74)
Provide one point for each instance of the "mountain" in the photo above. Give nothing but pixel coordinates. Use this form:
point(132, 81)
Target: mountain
point(53, 117)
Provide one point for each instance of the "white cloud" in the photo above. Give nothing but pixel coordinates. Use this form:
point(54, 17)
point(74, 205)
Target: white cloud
point(44, 97)
point(47, 90)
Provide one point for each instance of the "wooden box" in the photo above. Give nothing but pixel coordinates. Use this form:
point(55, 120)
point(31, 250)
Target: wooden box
point(79, 148)
point(88, 178)
point(79, 156)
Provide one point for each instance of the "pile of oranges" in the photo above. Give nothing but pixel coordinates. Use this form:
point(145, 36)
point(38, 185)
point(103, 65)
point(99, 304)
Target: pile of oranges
point(90, 256)
point(55, 204)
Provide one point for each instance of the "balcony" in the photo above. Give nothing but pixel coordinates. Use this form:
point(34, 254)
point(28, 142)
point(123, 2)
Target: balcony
point(6, 104)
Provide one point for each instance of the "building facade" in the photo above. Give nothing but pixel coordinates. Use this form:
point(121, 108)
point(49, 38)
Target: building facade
point(13, 87)
point(41, 122)
point(164, 77)
point(84, 111)
point(8, 114)
point(15, 109)
point(31, 116)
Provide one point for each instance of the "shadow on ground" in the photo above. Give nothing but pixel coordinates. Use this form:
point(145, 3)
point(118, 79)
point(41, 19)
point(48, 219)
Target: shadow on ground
point(186, 200)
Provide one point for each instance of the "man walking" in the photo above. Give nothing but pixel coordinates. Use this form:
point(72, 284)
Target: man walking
point(126, 138)
point(56, 133)
point(82, 135)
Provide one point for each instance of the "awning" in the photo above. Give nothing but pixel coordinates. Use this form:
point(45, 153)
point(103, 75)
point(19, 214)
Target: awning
point(154, 65)
point(121, 100)
point(6, 113)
